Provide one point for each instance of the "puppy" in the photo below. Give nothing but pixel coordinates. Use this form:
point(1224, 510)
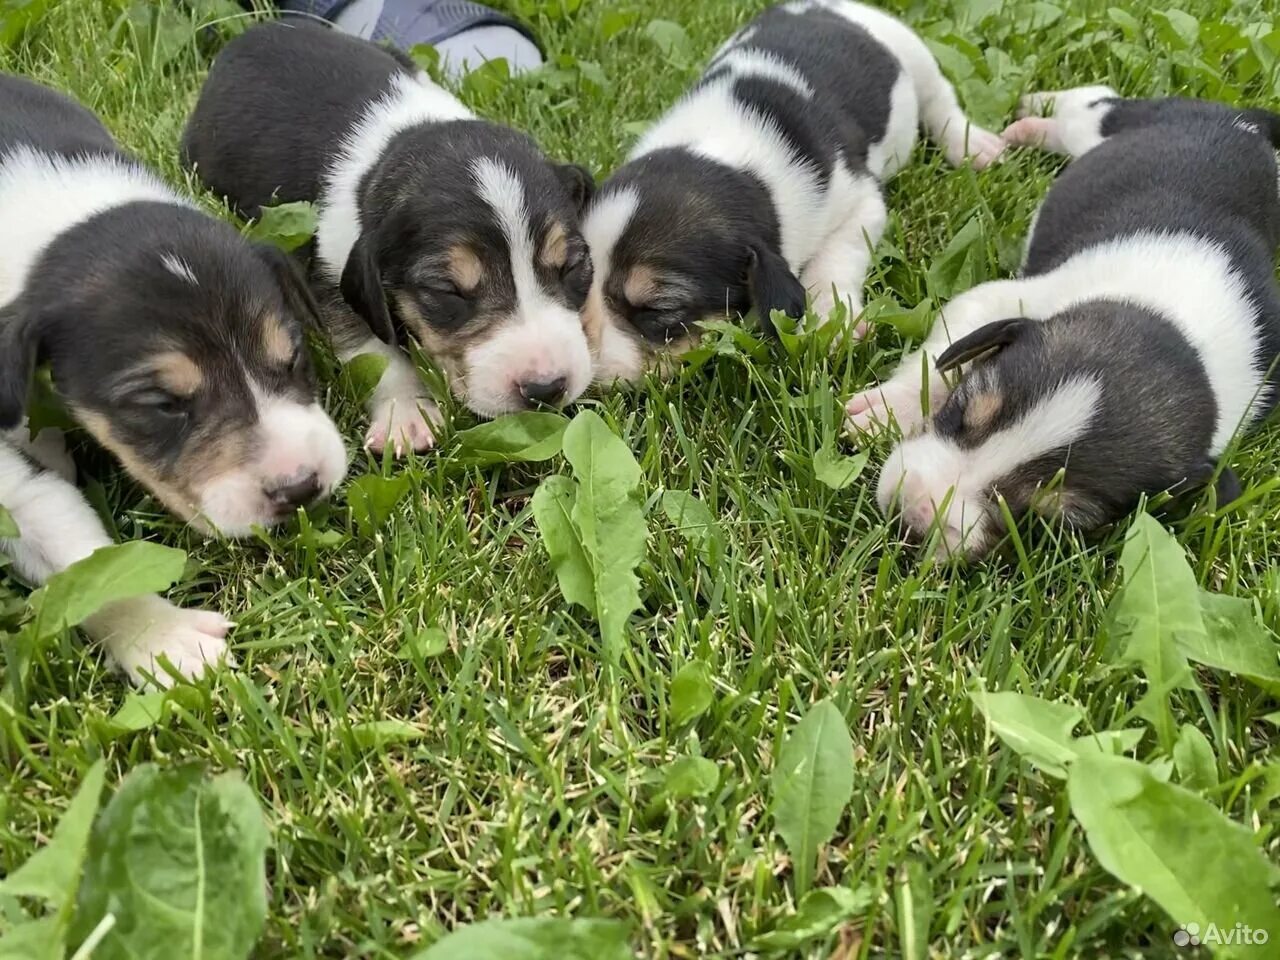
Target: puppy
point(762, 185)
point(1140, 337)
point(430, 219)
point(175, 343)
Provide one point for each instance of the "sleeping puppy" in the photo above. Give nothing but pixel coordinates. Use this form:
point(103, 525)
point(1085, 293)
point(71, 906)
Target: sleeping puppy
point(762, 185)
point(1140, 337)
point(175, 343)
point(459, 230)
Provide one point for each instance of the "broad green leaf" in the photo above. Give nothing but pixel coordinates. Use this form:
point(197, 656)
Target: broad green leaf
point(111, 573)
point(534, 938)
point(961, 265)
point(363, 373)
point(140, 711)
point(613, 22)
point(692, 692)
point(374, 733)
point(178, 858)
point(373, 498)
point(521, 437)
point(1126, 21)
point(913, 897)
point(608, 520)
point(593, 73)
point(1112, 742)
point(553, 505)
point(1155, 613)
point(1193, 757)
point(53, 872)
point(836, 471)
point(812, 784)
point(694, 522)
point(287, 225)
point(486, 80)
point(670, 38)
point(1180, 851)
point(1234, 640)
point(8, 527)
point(1178, 29)
point(1039, 730)
point(45, 406)
point(689, 777)
point(954, 63)
point(820, 912)
point(41, 939)
point(423, 644)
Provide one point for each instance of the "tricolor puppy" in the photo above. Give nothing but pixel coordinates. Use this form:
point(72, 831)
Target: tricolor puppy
point(1140, 337)
point(762, 185)
point(459, 230)
point(176, 344)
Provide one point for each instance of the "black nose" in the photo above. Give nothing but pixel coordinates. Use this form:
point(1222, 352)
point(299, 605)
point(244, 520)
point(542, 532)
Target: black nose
point(294, 493)
point(540, 392)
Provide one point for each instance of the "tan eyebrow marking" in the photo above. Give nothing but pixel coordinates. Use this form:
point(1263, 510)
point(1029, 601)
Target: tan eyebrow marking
point(641, 285)
point(177, 372)
point(555, 247)
point(465, 267)
point(276, 339)
point(981, 409)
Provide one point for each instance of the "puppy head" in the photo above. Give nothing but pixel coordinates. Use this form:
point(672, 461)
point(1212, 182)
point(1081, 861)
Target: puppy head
point(479, 257)
point(679, 239)
point(1075, 417)
point(181, 348)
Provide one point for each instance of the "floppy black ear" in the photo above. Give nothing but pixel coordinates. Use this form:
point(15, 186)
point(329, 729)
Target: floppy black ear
point(988, 339)
point(578, 180)
point(19, 346)
point(361, 287)
point(773, 287)
point(1226, 485)
point(296, 290)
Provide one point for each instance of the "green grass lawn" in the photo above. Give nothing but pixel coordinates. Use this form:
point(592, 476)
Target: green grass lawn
point(535, 783)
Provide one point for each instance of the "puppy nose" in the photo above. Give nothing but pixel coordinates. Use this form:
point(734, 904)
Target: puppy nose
point(540, 392)
point(294, 493)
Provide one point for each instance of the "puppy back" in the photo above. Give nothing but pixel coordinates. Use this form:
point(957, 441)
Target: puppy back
point(47, 120)
point(275, 108)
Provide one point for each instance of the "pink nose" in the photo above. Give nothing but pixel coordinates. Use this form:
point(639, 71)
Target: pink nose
point(919, 516)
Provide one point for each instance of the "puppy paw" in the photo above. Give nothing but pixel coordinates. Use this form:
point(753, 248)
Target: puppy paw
point(1029, 132)
point(984, 147)
point(872, 411)
point(142, 631)
point(406, 423)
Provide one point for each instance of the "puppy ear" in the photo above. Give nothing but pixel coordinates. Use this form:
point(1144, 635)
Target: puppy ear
point(1226, 485)
point(989, 339)
point(361, 287)
point(19, 346)
point(773, 287)
point(578, 180)
point(296, 290)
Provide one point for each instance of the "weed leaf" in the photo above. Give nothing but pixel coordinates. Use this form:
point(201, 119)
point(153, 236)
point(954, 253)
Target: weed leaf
point(1039, 730)
point(372, 499)
point(376, 733)
point(691, 692)
point(1234, 641)
point(553, 505)
point(812, 785)
point(913, 895)
point(1194, 760)
point(836, 471)
point(52, 874)
point(363, 373)
point(423, 644)
point(1155, 612)
point(42, 939)
point(178, 859)
point(670, 38)
point(522, 437)
point(534, 938)
point(110, 573)
point(689, 777)
point(695, 523)
point(140, 711)
point(1173, 846)
point(820, 912)
point(8, 527)
point(961, 265)
point(287, 225)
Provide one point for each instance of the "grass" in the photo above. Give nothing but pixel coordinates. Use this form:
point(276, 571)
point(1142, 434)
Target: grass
point(532, 788)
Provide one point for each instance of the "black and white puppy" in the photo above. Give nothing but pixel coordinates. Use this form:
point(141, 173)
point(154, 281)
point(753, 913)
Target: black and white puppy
point(177, 344)
point(763, 183)
point(430, 219)
point(1140, 337)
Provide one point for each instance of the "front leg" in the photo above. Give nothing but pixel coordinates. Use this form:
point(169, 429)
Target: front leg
point(838, 272)
point(56, 528)
point(898, 399)
point(1075, 126)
